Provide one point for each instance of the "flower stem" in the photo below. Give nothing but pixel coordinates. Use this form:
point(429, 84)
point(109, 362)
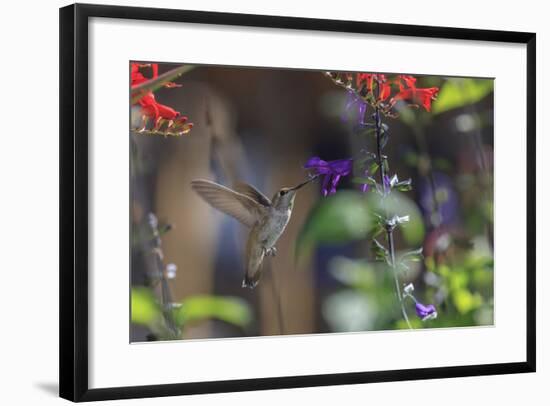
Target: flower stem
point(165, 294)
point(378, 129)
point(396, 278)
point(389, 230)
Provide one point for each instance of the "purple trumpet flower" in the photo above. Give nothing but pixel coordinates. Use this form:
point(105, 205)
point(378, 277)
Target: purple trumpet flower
point(426, 312)
point(332, 171)
point(365, 186)
point(355, 106)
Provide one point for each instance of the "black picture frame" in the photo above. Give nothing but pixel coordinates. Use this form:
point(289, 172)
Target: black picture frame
point(73, 253)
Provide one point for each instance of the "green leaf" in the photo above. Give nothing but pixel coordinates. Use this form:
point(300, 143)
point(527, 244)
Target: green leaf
point(205, 307)
point(144, 307)
point(386, 165)
point(337, 219)
point(413, 256)
point(404, 186)
point(373, 168)
point(380, 252)
point(456, 93)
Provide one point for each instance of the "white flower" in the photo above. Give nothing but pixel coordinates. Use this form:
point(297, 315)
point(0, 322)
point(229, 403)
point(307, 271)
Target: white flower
point(171, 271)
point(407, 290)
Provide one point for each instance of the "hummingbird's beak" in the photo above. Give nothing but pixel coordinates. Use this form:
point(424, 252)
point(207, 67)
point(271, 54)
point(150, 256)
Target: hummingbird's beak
point(304, 183)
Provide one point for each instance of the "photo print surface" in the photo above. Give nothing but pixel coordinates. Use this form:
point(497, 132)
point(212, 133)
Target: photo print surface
point(269, 201)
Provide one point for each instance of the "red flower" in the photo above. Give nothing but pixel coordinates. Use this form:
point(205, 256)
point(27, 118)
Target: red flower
point(376, 89)
point(367, 79)
point(415, 95)
point(385, 90)
point(151, 109)
point(409, 80)
point(137, 77)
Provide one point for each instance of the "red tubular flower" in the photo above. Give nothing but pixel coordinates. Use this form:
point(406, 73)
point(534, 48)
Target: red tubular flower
point(368, 79)
point(166, 120)
point(423, 97)
point(137, 77)
point(149, 106)
point(410, 82)
point(168, 113)
point(365, 79)
point(377, 90)
point(385, 90)
point(155, 67)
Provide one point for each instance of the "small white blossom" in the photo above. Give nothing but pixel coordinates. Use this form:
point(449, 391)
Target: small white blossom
point(404, 219)
point(171, 271)
point(430, 316)
point(394, 180)
point(407, 290)
point(153, 221)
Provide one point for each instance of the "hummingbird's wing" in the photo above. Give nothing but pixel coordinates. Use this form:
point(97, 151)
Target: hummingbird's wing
point(237, 205)
point(250, 191)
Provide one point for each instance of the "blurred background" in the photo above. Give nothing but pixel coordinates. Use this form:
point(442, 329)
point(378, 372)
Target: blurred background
point(261, 126)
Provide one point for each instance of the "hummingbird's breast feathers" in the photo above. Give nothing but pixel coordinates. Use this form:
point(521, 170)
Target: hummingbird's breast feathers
point(240, 206)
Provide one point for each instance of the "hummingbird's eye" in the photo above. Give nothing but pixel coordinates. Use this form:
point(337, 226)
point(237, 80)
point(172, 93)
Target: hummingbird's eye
point(282, 193)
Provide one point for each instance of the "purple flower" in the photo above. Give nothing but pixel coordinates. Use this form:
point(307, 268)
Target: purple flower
point(426, 312)
point(365, 186)
point(354, 106)
point(387, 184)
point(332, 171)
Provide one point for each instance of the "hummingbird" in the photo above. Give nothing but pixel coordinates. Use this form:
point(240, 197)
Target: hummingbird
point(266, 219)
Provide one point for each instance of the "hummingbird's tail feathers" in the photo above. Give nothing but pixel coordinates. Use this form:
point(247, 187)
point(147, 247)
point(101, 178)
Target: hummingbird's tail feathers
point(251, 282)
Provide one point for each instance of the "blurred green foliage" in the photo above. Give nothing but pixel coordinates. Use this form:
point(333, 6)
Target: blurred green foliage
point(462, 293)
point(459, 281)
point(456, 93)
point(198, 308)
point(146, 311)
point(336, 219)
point(367, 303)
point(144, 307)
point(350, 216)
point(467, 287)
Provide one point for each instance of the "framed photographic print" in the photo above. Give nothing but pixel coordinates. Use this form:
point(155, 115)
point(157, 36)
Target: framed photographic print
point(256, 202)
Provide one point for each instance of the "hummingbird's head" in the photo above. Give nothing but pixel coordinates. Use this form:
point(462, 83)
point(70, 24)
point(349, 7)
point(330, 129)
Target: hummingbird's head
point(284, 198)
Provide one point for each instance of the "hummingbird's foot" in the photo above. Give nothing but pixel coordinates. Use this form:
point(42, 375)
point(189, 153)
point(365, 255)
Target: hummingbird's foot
point(270, 251)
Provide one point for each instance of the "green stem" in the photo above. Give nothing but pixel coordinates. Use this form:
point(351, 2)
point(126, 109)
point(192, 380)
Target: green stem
point(396, 278)
point(165, 294)
point(389, 230)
